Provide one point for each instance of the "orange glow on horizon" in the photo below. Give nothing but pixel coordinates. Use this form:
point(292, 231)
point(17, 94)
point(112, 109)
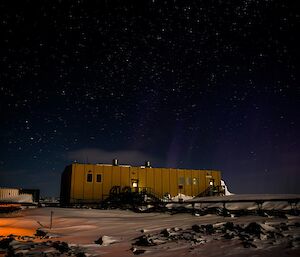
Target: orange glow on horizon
point(5, 231)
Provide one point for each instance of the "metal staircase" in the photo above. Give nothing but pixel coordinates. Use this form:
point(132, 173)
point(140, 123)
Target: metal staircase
point(126, 196)
point(212, 191)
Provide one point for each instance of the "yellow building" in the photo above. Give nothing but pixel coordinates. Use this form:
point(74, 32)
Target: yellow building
point(92, 183)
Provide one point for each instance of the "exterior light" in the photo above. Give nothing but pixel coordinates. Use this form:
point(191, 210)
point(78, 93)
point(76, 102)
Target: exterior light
point(134, 184)
point(211, 183)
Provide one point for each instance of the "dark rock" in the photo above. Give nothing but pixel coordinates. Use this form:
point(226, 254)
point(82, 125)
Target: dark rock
point(253, 228)
point(187, 236)
point(275, 235)
point(248, 244)
point(61, 246)
point(80, 254)
point(297, 224)
point(166, 232)
point(196, 228)
point(229, 235)
point(209, 229)
point(21, 246)
point(4, 243)
point(40, 232)
point(99, 241)
point(145, 240)
point(244, 236)
point(283, 226)
point(229, 226)
point(199, 240)
point(37, 253)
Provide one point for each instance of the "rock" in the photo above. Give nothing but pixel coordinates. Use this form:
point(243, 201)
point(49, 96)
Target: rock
point(199, 240)
point(106, 240)
point(196, 228)
point(229, 235)
point(228, 226)
point(41, 232)
point(144, 240)
point(99, 241)
point(20, 252)
point(14, 243)
point(263, 237)
point(21, 246)
point(61, 246)
point(4, 243)
point(253, 228)
point(80, 254)
point(51, 250)
point(209, 229)
point(244, 236)
point(170, 233)
point(187, 236)
point(295, 243)
point(166, 232)
point(283, 226)
point(248, 244)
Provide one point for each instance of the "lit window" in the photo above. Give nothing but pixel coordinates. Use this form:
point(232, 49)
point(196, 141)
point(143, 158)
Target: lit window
point(98, 178)
point(195, 181)
point(134, 184)
point(211, 183)
point(89, 178)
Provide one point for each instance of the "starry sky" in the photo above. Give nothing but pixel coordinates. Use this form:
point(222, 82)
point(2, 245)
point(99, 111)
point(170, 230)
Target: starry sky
point(184, 84)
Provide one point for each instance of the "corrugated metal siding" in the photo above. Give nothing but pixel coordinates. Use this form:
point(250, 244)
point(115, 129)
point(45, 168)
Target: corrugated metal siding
point(6, 193)
point(160, 180)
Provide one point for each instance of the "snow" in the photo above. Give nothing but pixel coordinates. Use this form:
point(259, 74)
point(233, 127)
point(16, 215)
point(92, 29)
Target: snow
point(119, 230)
point(181, 197)
point(223, 184)
point(248, 197)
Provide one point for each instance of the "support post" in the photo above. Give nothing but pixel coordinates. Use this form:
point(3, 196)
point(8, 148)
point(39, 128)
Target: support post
point(51, 216)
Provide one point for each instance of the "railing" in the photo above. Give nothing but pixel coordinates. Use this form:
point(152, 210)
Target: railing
point(212, 191)
point(147, 191)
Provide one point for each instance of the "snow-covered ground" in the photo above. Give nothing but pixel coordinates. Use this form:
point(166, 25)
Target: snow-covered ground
point(125, 233)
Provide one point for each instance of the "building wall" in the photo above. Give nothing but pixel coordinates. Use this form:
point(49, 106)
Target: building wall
point(80, 184)
point(14, 195)
point(6, 193)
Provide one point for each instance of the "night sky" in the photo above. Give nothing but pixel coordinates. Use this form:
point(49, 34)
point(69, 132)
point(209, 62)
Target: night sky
point(184, 84)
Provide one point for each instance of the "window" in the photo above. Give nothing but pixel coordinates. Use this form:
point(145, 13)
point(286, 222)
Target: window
point(181, 181)
point(89, 178)
point(188, 181)
point(195, 181)
point(99, 178)
point(135, 183)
